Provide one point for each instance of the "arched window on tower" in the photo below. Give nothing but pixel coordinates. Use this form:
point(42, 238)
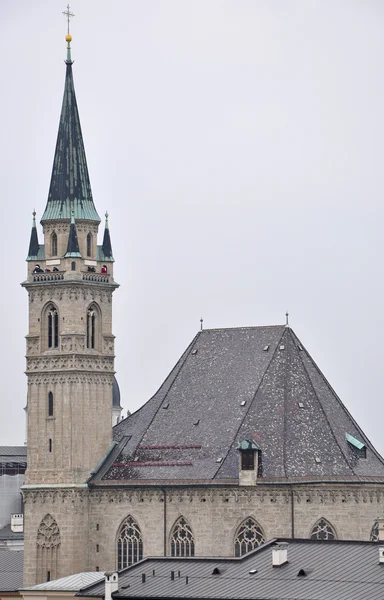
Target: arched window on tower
point(129, 543)
point(182, 539)
point(248, 537)
point(50, 404)
point(89, 244)
point(48, 548)
point(92, 327)
point(54, 244)
point(53, 327)
point(323, 530)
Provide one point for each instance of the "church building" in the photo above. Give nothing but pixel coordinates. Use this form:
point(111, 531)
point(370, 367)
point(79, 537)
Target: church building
point(244, 441)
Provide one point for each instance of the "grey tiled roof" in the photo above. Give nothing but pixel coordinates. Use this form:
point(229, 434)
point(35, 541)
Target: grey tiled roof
point(6, 533)
point(333, 571)
point(255, 383)
point(11, 570)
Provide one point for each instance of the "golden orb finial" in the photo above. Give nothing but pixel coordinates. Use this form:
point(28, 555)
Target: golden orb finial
point(68, 38)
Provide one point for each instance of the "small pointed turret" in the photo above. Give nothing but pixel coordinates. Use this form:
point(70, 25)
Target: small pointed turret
point(70, 187)
point(73, 243)
point(34, 240)
point(107, 246)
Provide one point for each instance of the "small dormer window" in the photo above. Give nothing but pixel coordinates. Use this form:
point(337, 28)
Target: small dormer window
point(247, 460)
point(358, 448)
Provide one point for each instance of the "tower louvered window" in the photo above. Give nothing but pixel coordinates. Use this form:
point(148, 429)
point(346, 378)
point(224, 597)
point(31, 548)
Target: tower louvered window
point(48, 548)
point(323, 530)
point(89, 244)
point(54, 244)
point(91, 327)
point(53, 327)
point(182, 539)
point(129, 543)
point(249, 536)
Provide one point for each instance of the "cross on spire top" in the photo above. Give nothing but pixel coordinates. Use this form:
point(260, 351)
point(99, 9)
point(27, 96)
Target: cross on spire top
point(68, 14)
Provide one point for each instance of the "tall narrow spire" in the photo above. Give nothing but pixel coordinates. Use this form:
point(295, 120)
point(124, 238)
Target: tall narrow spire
point(34, 240)
point(70, 187)
point(73, 243)
point(107, 246)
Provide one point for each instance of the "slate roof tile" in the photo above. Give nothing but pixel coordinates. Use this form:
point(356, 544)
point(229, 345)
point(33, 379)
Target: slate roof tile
point(234, 384)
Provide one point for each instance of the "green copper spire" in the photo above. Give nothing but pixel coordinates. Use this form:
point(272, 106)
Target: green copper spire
point(70, 187)
point(107, 246)
point(34, 241)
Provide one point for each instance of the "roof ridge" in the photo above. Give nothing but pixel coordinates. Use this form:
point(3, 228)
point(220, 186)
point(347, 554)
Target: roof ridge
point(250, 406)
point(241, 327)
point(320, 403)
point(341, 403)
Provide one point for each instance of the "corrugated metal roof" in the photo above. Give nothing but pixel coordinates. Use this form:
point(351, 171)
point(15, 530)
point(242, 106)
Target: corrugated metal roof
point(334, 571)
point(72, 583)
point(6, 451)
point(11, 570)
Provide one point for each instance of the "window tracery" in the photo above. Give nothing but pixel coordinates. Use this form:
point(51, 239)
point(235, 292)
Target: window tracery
point(323, 530)
point(182, 539)
point(249, 536)
point(374, 537)
point(53, 327)
point(48, 546)
point(129, 543)
point(92, 316)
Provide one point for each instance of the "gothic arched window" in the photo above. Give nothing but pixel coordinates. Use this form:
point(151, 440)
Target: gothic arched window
point(374, 537)
point(248, 537)
point(73, 266)
point(182, 539)
point(129, 543)
point(50, 404)
point(53, 327)
point(48, 546)
point(323, 530)
point(93, 315)
point(54, 244)
point(89, 244)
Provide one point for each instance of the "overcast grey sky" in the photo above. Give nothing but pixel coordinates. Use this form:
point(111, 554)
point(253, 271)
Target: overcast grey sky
point(238, 147)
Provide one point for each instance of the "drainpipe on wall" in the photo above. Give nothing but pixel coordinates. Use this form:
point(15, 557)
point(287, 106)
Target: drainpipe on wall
point(292, 514)
point(165, 520)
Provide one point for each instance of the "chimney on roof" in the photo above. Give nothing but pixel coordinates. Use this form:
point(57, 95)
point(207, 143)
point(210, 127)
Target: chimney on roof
point(17, 522)
point(279, 554)
point(111, 584)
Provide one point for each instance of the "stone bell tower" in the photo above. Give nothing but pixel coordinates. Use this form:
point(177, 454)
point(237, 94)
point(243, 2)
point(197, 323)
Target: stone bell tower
point(70, 345)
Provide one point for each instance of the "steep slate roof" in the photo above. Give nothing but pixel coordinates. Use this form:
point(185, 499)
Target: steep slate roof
point(334, 570)
point(70, 186)
point(11, 570)
point(189, 430)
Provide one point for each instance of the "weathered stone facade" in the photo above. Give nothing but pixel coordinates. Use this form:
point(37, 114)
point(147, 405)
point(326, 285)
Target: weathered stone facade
point(89, 519)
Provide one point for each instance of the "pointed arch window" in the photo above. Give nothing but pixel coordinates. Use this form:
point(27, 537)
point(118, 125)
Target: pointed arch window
point(50, 404)
point(93, 324)
point(54, 244)
point(129, 543)
point(182, 539)
point(48, 547)
point(323, 530)
point(53, 327)
point(89, 244)
point(248, 537)
point(374, 537)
